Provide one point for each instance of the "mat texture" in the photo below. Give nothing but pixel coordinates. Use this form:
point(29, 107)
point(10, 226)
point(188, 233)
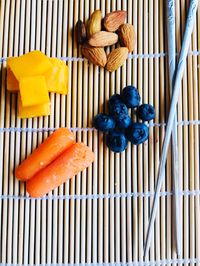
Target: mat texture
point(100, 216)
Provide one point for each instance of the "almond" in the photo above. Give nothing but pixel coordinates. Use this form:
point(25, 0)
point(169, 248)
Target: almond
point(103, 38)
point(116, 58)
point(127, 36)
point(80, 31)
point(95, 55)
point(113, 20)
point(94, 24)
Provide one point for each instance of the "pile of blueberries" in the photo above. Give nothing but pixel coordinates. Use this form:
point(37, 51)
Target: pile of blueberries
point(118, 125)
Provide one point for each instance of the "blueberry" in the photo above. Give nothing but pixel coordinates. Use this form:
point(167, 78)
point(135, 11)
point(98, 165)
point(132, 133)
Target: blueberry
point(119, 111)
point(103, 122)
point(117, 107)
point(146, 112)
point(130, 96)
point(137, 133)
point(116, 141)
point(122, 121)
point(115, 98)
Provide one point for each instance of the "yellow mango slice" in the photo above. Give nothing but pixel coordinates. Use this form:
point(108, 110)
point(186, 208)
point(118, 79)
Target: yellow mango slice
point(33, 91)
point(12, 82)
point(31, 64)
point(57, 77)
point(33, 111)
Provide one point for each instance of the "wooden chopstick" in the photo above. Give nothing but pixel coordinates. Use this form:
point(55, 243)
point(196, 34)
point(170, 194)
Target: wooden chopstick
point(171, 36)
point(176, 88)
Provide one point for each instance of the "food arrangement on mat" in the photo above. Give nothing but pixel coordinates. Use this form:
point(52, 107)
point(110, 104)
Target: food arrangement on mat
point(59, 158)
point(33, 76)
point(99, 33)
point(131, 178)
point(118, 125)
point(55, 161)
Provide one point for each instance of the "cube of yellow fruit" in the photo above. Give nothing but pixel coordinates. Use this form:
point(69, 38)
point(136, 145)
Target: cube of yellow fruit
point(57, 77)
point(31, 64)
point(32, 111)
point(12, 82)
point(33, 91)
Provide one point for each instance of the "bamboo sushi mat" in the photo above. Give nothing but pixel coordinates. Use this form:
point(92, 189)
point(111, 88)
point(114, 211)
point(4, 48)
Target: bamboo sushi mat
point(101, 216)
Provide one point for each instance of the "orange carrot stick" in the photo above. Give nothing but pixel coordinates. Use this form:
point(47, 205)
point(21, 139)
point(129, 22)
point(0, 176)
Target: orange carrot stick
point(47, 152)
point(68, 164)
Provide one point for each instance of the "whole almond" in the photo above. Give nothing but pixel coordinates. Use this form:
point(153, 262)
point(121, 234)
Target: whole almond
point(127, 36)
point(113, 20)
point(103, 38)
point(80, 31)
point(95, 55)
point(116, 58)
point(94, 24)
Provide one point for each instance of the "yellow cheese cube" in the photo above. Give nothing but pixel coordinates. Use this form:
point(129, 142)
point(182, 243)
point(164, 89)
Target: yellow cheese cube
point(57, 77)
point(31, 64)
point(32, 111)
point(12, 82)
point(33, 91)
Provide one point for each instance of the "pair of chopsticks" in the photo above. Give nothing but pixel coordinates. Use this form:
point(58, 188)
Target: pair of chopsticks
point(171, 128)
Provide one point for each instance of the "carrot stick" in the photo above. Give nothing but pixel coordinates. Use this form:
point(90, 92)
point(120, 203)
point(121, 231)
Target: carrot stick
point(48, 151)
point(71, 162)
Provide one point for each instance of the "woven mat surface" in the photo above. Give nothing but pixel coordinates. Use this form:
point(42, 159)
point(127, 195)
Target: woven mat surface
point(100, 216)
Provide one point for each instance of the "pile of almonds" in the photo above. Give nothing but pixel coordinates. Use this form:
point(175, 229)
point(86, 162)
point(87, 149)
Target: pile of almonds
point(98, 34)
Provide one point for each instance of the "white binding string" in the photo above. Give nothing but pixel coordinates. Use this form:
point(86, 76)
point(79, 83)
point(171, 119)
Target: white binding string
point(131, 56)
point(134, 263)
point(102, 196)
point(19, 129)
